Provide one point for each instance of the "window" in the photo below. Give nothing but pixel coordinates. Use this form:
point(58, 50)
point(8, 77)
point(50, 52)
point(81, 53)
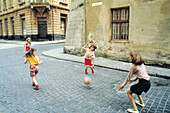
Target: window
point(0, 5)
point(4, 6)
point(64, 1)
point(12, 25)
point(23, 24)
point(22, 1)
point(63, 23)
point(1, 28)
point(6, 26)
point(11, 3)
point(120, 23)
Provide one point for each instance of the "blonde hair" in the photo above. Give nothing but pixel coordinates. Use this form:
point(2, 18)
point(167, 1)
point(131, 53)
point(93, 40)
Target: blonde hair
point(136, 58)
point(28, 39)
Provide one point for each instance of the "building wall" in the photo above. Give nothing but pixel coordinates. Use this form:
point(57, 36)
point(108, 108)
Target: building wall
point(55, 8)
point(148, 29)
point(75, 35)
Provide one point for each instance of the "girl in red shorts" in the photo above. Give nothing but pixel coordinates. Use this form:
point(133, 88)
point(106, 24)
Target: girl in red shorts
point(89, 53)
point(33, 62)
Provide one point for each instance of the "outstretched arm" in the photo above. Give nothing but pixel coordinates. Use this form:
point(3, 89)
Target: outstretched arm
point(84, 46)
point(131, 72)
point(133, 79)
point(23, 47)
point(40, 62)
point(25, 61)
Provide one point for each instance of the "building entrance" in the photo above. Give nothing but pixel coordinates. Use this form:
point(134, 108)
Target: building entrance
point(42, 28)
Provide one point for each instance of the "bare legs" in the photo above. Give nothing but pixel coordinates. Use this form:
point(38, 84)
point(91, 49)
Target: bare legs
point(91, 69)
point(34, 74)
point(129, 93)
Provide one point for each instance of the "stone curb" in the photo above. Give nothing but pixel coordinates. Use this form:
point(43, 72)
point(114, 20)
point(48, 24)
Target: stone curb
point(33, 43)
point(106, 63)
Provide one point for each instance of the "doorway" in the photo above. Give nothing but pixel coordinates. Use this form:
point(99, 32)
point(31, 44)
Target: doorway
point(42, 28)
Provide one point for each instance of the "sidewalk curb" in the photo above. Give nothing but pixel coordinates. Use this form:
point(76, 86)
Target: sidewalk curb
point(33, 43)
point(124, 70)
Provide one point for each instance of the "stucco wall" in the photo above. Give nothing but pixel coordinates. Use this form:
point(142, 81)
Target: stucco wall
point(149, 27)
point(75, 35)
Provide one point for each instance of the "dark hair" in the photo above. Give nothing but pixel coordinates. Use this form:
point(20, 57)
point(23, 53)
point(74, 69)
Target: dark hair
point(136, 58)
point(93, 47)
point(30, 52)
point(91, 41)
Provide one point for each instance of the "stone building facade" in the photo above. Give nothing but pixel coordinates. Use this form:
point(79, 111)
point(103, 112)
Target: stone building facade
point(121, 26)
point(38, 19)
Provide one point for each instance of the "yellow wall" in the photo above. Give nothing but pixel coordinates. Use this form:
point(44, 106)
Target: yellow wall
point(148, 29)
point(53, 16)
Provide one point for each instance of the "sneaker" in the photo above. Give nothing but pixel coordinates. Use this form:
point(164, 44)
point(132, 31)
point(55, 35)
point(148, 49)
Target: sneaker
point(138, 103)
point(36, 87)
point(132, 111)
point(86, 73)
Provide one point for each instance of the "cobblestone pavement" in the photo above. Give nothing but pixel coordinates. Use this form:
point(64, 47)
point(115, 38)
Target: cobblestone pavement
point(62, 88)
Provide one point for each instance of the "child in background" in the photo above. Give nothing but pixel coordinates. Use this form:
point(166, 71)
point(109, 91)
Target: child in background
point(89, 53)
point(33, 62)
point(27, 44)
point(93, 57)
point(137, 68)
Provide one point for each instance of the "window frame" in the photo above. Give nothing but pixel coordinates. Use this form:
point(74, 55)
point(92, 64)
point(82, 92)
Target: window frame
point(1, 26)
point(11, 3)
point(0, 5)
point(119, 22)
point(63, 17)
point(63, 1)
point(6, 26)
point(23, 26)
point(12, 26)
point(5, 4)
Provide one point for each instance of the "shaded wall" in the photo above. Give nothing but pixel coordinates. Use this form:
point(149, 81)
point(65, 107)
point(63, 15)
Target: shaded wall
point(75, 35)
point(149, 27)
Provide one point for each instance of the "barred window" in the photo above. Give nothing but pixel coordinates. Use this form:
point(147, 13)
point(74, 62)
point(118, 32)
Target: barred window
point(120, 23)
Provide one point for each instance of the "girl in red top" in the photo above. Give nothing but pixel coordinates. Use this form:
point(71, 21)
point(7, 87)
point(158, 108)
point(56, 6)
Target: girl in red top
point(28, 44)
point(88, 55)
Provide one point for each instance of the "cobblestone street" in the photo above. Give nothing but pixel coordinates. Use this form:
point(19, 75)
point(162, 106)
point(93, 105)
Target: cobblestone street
point(62, 88)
